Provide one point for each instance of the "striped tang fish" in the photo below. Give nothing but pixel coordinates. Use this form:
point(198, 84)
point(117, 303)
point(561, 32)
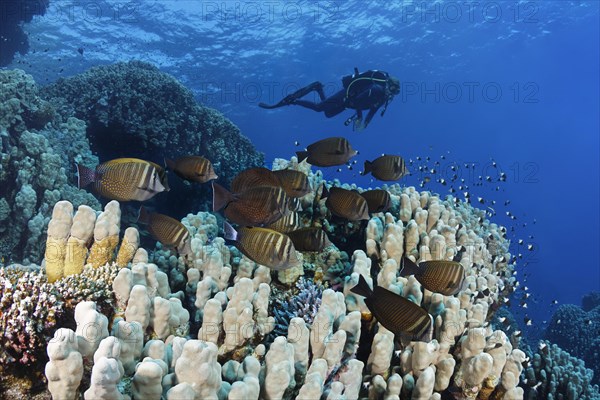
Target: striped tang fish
point(167, 230)
point(386, 168)
point(309, 239)
point(295, 183)
point(192, 168)
point(327, 152)
point(264, 246)
point(259, 206)
point(395, 313)
point(440, 276)
point(254, 177)
point(288, 223)
point(346, 204)
point(378, 200)
point(124, 179)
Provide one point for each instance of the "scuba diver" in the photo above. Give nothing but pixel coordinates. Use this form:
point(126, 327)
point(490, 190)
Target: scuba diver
point(362, 91)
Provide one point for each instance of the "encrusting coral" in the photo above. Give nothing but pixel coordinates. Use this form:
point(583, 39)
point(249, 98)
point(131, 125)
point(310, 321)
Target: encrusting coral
point(577, 331)
point(554, 374)
point(37, 151)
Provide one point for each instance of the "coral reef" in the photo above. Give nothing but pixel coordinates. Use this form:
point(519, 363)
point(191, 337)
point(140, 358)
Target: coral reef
point(554, 374)
point(577, 331)
point(40, 139)
point(135, 102)
point(35, 167)
point(214, 324)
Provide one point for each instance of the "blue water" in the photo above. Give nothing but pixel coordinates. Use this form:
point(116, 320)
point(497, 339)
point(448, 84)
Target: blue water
point(516, 82)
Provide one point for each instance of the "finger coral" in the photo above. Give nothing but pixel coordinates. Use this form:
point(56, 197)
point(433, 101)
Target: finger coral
point(214, 324)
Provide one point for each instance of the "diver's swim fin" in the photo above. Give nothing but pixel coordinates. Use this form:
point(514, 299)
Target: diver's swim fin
point(290, 98)
point(269, 107)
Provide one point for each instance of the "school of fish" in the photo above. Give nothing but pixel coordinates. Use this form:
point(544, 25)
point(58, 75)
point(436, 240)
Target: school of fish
point(264, 205)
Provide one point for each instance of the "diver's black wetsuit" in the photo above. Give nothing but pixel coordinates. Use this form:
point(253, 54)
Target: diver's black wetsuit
point(371, 97)
point(367, 91)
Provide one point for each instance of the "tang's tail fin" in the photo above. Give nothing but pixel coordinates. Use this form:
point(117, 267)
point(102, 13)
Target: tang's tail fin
point(302, 155)
point(170, 164)
point(408, 267)
point(230, 233)
point(324, 192)
point(368, 167)
point(143, 216)
point(221, 197)
point(362, 288)
point(427, 335)
point(85, 176)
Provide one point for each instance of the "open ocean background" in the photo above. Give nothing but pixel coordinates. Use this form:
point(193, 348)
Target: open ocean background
point(515, 81)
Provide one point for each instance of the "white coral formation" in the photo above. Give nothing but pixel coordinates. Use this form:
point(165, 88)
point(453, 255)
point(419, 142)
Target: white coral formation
point(198, 367)
point(105, 378)
point(65, 368)
point(92, 327)
point(231, 296)
point(147, 379)
point(279, 369)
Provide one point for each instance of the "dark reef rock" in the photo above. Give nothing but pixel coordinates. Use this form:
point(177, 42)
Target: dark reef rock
point(12, 37)
point(578, 332)
point(590, 301)
point(135, 110)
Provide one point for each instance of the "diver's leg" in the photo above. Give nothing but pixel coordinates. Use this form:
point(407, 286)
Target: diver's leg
point(320, 91)
point(334, 104)
point(318, 86)
point(331, 106)
point(318, 107)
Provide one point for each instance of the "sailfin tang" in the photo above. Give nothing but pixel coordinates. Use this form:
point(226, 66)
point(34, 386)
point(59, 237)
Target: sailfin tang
point(85, 176)
point(221, 197)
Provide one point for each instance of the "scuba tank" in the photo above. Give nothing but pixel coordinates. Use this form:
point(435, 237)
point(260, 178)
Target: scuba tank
point(353, 84)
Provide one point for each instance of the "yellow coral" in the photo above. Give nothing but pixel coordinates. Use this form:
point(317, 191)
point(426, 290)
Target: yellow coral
point(56, 244)
point(76, 252)
point(102, 251)
point(55, 258)
point(129, 246)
